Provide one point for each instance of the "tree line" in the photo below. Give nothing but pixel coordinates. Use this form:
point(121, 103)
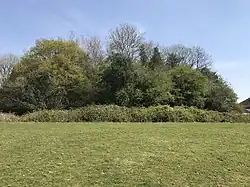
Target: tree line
point(125, 70)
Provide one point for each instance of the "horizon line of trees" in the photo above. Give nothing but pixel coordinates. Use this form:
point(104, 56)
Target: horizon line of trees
point(127, 70)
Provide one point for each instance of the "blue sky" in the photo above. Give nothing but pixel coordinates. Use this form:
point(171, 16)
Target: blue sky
point(222, 27)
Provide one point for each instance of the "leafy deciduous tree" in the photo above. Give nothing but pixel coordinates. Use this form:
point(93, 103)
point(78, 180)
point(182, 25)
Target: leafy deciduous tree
point(143, 55)
point(147, 88)
point(173, 60)
point(116, 77)
point(51, 71)
point(189, 87)
point(156, 60)
point(73, 73)
point(220, 97)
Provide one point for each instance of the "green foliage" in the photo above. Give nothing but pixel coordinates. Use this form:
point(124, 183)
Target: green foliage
point(48, 115)
point(147, 88)
point(115, 77)
point(62, 74)
point(143, 55)
point(102, 113)
point(8, 117)
point(108, 113)
point(156, 60)
point(17, 98)
point(113, 113)
point(220, 96)
point(53, 76)
point(189, 87)
point(173, 60)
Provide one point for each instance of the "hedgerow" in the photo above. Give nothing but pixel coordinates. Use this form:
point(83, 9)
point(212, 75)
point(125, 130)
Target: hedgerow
point(113, 113)
point(7, 117)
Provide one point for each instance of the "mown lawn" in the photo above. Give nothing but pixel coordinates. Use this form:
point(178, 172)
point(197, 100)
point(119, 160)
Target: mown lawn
point(50, 154)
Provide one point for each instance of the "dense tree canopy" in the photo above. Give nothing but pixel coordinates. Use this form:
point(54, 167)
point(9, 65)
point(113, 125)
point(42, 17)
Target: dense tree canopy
point(59, 73)
point(50, 75)
point(189, 86)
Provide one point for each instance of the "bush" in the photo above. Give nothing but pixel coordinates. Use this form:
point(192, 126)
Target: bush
point(162, 114)
point(105, 113)
point(6, 117)
point(205, 115)
point(47, 116)
point(236, 117)
point(141, 114)
point(113, 113)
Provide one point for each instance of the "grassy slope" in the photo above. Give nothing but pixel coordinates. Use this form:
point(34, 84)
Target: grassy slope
point(124, 154)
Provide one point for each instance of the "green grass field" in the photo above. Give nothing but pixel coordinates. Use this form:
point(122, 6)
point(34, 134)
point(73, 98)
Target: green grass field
point(50, 154)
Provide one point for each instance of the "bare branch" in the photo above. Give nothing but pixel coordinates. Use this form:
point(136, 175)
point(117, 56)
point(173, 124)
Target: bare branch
point(7, 63)
point(93, 47)
point(196, 56)
point(201, 59)
point(125, 39)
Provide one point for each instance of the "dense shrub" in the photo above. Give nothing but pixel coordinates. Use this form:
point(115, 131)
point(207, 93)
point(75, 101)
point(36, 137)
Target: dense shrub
point(205, 116)
point(235, 117)
point(103, 113)
point(113, 113)
point(8, 117)
point(48, 116)
point(141, 114)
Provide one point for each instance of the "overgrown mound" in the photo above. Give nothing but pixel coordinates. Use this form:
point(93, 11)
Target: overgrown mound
point(113, 113)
